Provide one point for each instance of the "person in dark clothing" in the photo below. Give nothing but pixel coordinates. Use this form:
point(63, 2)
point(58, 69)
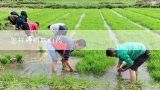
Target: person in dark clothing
point(22, 20)
point(63, 46)
point(12, 18)
point(26, 29)
point(19, 22)
point(14, 13)
point(24, 15)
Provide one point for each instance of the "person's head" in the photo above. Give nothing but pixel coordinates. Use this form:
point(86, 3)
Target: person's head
point(24, 13)
point(111, 52)
point(79, 44)
point(14, 13)
point(49, 26)
point(37, 23)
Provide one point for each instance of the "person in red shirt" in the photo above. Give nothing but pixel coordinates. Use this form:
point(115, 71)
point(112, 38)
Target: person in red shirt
point(33, 27)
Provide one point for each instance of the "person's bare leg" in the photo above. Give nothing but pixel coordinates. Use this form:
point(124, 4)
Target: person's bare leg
point(137, 74)
point(133, 76)
point(14, 27)
point(54, 64)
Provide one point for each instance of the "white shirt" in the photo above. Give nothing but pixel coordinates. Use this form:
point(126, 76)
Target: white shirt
point(55, 27)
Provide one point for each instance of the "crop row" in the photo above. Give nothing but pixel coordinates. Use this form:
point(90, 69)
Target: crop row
point(92, 21)
point(10, 81)
point(154, 65)
point(155, 13)
point(117, 22)
point(144, 20)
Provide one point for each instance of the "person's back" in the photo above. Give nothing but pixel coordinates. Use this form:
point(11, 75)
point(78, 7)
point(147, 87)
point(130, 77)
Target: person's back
point(12, 19)
point(58, 28)
point(33, 26)
point(20, 21)
point(132, 49)
point(62, 43)
point(24, 15)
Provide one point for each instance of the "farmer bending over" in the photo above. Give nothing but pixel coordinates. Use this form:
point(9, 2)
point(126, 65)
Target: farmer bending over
point(133, 54)
point(63, 46)
point(58, 28)
point(12, 18)
point(33, 27)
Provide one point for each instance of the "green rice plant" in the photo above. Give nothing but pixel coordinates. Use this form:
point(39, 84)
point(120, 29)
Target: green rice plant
point(116, 22)
point(151, 12)
point(92, 21)
point(9, 58)
point(37, 81)
point(144, 20)
point(71, 83)
point(154, 65)
point(96, 65)
point(19, 58)
point(4, 60)
point(13, 81)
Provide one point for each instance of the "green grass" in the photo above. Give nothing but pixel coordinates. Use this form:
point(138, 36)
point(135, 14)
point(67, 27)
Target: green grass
point(40, 81)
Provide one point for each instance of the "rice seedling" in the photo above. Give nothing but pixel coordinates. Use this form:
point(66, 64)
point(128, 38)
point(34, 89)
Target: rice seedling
point(154, 65)
point(4, 60)
point(13, 81)
point(144, 20)
point(19, 58)
point(116, 22)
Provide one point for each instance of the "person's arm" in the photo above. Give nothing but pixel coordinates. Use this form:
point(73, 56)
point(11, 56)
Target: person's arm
point(66, 56)
point(68, 64)
point(119, 63)
point(128, 61)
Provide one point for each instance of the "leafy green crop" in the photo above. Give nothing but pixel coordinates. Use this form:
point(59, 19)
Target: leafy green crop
point(154, 65)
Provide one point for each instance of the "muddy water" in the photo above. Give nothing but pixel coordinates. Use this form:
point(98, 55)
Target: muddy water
point(36, 62)
point(117, 82)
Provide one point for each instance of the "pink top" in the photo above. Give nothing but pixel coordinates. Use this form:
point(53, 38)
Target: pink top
point(33, 26)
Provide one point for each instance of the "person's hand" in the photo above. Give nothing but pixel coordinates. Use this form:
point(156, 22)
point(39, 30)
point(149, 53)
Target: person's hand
point(72, 70)
point(120, 70)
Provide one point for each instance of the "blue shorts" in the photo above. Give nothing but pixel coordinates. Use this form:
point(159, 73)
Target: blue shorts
point(53, 53)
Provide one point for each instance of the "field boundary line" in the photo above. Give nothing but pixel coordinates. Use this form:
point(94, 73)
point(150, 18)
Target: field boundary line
point(139, 25)
point(134, 23)
point(78, 23)
point(111, 33)
point(144, 15)
point(64, 15)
